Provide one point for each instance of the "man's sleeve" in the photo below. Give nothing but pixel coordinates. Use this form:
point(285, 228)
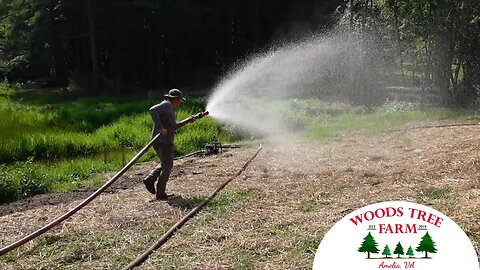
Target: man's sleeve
point(155, 112)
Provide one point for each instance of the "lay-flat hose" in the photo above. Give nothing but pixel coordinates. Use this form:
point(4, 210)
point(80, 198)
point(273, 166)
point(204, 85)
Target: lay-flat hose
point(144, 256)
point(72, 211)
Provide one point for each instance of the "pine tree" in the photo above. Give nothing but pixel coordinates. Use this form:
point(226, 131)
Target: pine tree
point(410, 251)
point(386, 251)
point(369, 245)
point(399, 250)
point(426, 245)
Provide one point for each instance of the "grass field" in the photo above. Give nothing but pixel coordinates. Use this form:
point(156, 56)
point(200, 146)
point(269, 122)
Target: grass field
point(50, 129)
point(320, 120)
point(51, 142)
point(271, 217)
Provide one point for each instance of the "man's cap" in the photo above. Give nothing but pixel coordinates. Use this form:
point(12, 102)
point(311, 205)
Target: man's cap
point(174, 93)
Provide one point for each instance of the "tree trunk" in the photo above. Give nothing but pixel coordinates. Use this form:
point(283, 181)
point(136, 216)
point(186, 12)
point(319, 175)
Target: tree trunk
point(93, 47)
point(57, 69)
point(397, 34)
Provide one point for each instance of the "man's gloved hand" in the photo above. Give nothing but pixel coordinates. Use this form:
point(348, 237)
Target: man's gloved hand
point(163, 132)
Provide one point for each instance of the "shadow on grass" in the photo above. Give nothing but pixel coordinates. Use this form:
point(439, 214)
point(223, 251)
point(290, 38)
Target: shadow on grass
point(185, 203)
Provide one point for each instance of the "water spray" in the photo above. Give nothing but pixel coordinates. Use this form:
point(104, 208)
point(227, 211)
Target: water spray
point(263, 95)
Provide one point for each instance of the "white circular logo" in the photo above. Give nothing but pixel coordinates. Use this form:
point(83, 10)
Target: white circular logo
point(396, 235)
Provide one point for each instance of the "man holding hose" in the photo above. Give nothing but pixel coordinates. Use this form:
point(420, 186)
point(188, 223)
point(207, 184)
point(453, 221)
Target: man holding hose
point(163, 116)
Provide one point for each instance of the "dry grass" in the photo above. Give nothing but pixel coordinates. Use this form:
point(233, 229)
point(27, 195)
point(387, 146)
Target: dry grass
point(273, 216)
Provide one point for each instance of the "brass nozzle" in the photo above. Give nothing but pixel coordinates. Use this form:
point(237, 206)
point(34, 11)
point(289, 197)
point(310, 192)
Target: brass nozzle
point(201, 114)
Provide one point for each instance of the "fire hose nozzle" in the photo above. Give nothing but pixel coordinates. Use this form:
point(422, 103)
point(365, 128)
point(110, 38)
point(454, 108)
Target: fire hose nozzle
point(200, 114)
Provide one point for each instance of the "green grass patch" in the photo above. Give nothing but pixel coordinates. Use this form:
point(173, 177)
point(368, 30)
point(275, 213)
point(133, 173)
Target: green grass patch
point(245, 260)
point(220, 204)
point(29, 178)
point(306, 246)
point(76, 134)
point(433, 193)
point(307, 206)
point(405, 141)
point(317, 119)
point(388, 116)
point(219, 207)
point(87, 126)
point(279, 229)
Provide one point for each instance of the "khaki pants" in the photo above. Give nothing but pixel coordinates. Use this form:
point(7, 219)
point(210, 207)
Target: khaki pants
point(165, 153)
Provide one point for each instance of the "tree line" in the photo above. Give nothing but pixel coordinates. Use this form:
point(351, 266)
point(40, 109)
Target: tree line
point(120, 45)
point(435, 41)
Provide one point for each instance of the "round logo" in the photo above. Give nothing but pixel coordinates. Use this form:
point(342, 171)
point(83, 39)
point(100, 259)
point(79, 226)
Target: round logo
point(396, 235)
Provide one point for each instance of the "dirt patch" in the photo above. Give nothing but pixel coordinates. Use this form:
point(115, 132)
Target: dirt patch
point(272, 217)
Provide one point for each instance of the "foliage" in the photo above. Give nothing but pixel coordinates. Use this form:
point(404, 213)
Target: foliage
point(436, 40)
point(24, 179)
point(119, 46)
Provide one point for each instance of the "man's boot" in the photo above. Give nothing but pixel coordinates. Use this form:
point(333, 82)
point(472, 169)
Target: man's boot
point(149, 181)
point(161, 186)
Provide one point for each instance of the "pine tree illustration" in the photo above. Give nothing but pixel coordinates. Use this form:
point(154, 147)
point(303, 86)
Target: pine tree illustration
point(386, 251)
point(426, 245)
point(410, 252)
point(369, 245)
point(399, 250)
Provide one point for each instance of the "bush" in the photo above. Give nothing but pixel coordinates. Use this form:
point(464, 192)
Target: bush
point(10, 190)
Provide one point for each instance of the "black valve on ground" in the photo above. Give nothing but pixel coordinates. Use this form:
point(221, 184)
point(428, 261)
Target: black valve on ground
point(200, 115)
point(215, 148)
point(212, 148)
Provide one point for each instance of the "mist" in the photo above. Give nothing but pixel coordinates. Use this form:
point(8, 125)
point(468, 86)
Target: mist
point(334, 67)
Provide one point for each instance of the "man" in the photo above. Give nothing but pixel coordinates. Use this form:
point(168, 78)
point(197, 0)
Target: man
point(163, 115)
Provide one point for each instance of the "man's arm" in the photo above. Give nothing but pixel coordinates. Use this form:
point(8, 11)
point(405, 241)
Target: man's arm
point(155, 113)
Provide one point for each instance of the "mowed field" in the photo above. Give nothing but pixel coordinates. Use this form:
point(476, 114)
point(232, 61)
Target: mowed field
point(271, 217)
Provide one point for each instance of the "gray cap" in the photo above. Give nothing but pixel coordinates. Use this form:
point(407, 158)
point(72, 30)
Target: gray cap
point(174, 93)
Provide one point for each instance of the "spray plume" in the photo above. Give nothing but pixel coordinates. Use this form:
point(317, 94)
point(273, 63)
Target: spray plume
point(249, 96)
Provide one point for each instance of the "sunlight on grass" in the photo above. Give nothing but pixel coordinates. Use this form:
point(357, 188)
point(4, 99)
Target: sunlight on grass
point(389, 116)
point(87, 129)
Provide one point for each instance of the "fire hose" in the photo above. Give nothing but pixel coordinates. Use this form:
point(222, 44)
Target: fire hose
point(90, 198)
point(166, 236)
point(72, 211)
